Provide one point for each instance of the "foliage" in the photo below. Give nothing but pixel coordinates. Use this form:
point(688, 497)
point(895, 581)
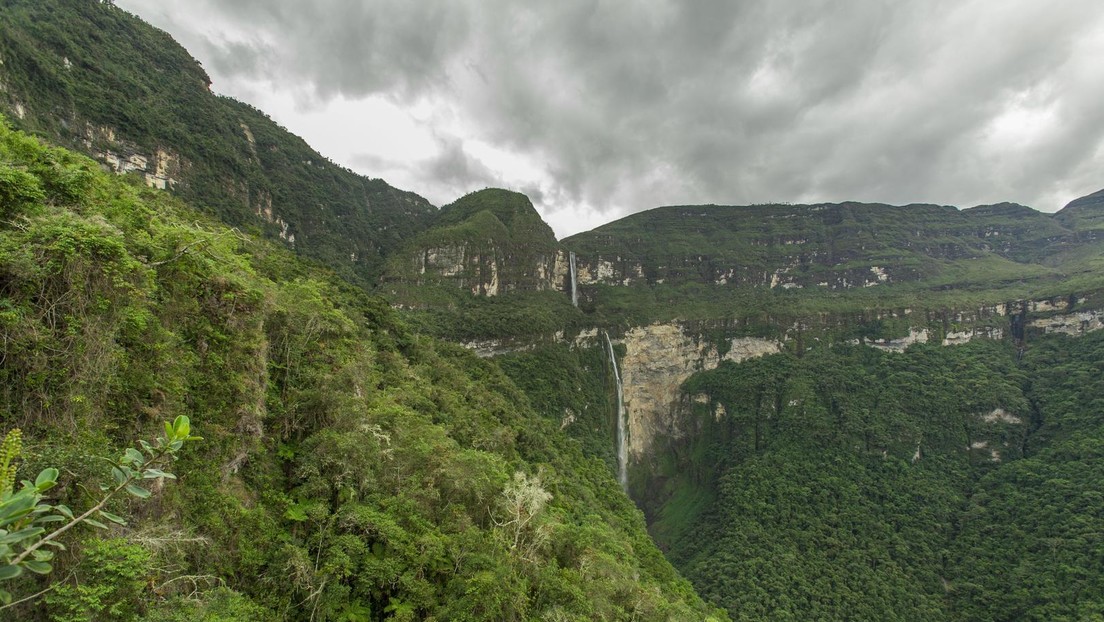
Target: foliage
point(93, 77)
point(939, 484)
point(24, 514)
point(351, 468)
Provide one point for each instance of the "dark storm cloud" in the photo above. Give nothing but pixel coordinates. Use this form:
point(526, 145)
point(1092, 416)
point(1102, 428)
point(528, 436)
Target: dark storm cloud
point(627, 105)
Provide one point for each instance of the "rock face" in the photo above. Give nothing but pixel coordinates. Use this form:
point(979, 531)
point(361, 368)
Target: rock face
point(490, 242)
point(658, 359)
point(1075, 324)
point(829, 247)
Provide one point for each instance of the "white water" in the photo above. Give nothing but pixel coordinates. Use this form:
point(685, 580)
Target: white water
point(574, 280)
point(622, 423)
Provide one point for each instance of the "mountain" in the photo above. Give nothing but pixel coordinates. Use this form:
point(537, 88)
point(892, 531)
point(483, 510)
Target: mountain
point(90, 76)
point(833, 411)
point(349, 468)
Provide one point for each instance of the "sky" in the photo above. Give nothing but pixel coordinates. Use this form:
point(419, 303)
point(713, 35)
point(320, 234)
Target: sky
point(597, 109)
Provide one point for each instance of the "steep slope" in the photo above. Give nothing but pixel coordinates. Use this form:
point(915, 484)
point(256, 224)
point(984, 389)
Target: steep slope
point(719, 261)
point(350, 469)
point(92, 77)
point(487, 267)
point(938, 484)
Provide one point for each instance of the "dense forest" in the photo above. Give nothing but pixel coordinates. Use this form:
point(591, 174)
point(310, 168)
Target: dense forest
point(940, 484)
point(274, 389)
point(349, 469)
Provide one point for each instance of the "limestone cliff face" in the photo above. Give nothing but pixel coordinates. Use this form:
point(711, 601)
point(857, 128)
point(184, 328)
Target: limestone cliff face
point(657, 360)
point(490, 243)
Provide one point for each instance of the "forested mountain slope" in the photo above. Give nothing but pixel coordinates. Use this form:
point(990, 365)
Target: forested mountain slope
point(793, 261)
point(944, 483)
point(90, 76)
point(349, 468)
point(836, 411)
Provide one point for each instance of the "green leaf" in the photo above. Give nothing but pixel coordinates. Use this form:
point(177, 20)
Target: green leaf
point(181, 426)
point(10, 572)
point(168, 430)
point(133, 456)
point(52, 518)
point(156, 473)
point(46, 479)
point(118, 520)
point(118, 475)
point(38, 567)
point(18, 505)
point(138, 491)
point(64, 511)
point(95, 523)
point(5, 597)
point(42, 555)
point(20, 535)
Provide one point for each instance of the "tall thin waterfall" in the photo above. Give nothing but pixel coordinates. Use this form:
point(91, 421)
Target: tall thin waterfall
point(574, 279)
point(622, 422)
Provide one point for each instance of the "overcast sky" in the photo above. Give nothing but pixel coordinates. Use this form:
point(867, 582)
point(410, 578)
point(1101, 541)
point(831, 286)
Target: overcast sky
point(597, 109)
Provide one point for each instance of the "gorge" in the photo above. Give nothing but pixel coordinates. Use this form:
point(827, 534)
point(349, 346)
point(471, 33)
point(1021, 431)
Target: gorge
point(827, 411)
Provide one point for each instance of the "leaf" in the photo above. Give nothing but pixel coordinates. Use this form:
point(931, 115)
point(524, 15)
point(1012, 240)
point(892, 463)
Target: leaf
point(138, 491)
point(118, 475)
point(10, 572)
point(156, 473)
point(5, 597)
point(95, 523)
point(52, 518)
point(38, 567)
point(118, 520)
point(46, 479)
point(168, 430)
point(20, 535)
point(133, 456)
point(64, 511)
point(181, 426)
point(42, 555)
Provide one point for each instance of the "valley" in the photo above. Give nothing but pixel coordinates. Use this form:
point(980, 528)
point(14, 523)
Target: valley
point(832, 411)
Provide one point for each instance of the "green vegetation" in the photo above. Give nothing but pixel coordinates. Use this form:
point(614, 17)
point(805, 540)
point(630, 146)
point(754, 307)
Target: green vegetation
point(572, 387)
point(25, 517)
point(90, 76)
point(355, 468)
point(773, 265)
point(940, 484)
point(485, 269)
point(350, 469)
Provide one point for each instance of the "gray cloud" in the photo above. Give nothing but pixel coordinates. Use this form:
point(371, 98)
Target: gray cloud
point(631, 105)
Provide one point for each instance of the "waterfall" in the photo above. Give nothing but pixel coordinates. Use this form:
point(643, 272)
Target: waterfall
point(622, 423)
point(574, 279)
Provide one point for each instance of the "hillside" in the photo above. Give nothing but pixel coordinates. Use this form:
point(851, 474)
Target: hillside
point(835, 411)
point(349, 468)
point(90, 76)
point(709, 262)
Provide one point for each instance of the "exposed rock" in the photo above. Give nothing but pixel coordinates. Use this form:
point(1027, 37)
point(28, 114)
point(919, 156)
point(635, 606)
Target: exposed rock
point(658, 359)
point(1075, 324)
point(899, 345)
point(1002, 416)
